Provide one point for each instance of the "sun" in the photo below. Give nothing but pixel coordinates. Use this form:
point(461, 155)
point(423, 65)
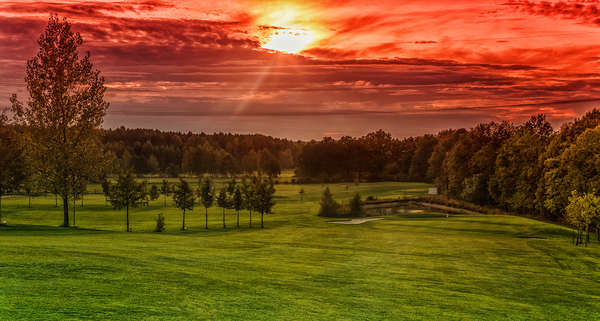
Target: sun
point(289, 40)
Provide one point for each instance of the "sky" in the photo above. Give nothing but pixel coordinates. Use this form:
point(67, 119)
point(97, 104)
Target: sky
point(308, 69)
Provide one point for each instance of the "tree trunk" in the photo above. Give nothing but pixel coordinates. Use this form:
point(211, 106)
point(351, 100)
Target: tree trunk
point(224, 218)
point(127, 217)
point(262, 224)
point(183, 221)
point(206, 218)
point(82, 200)
point(74, 212)
point(55, 200)
point(587, 235)
point(238, 219)
point(65, 211)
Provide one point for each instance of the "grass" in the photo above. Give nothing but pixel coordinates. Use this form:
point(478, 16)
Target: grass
point(300, 267)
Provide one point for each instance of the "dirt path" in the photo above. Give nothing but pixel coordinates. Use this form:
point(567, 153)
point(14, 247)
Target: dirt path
point(358, 220)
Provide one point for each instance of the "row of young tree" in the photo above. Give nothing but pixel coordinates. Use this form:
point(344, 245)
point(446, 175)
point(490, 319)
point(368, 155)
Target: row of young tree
point(252, 194)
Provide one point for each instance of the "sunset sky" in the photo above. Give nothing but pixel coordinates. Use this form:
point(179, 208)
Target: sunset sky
point(307, 69)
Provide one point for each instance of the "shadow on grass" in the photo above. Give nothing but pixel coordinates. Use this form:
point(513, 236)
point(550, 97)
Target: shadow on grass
point(46, 229)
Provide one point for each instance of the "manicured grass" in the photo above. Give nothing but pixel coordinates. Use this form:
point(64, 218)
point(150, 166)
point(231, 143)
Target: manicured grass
point(300, 267)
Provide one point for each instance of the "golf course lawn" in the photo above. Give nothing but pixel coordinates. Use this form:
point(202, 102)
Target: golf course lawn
point(299, 267)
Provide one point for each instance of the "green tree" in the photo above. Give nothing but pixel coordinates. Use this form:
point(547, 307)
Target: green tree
point(165, 189)
point(126, 193)
point(223, 202)
point(13, 169)
point(154, 192)
point(184, 199)
point(577, 168)
point(582, 212)
point(249, 199)
point(264, 190)
point(64, 112)
point(329, 207)
point(207, 196)
point(356, 206)
point(237, 203)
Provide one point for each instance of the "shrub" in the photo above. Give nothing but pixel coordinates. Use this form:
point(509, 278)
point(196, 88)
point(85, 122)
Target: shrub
point(356, 206)
point(160, 223)
point(329, 207)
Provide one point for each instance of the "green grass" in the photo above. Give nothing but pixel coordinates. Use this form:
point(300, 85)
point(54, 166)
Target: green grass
point(300, 267)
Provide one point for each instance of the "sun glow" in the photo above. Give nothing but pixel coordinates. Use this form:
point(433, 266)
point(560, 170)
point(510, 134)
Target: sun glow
point(289, 40)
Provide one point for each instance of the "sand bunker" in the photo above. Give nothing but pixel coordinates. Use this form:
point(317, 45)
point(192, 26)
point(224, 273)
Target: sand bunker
point(358, 221)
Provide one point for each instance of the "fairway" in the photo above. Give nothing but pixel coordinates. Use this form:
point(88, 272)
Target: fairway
point(412, 266)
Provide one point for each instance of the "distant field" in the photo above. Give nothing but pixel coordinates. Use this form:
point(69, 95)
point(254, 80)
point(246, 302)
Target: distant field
point(300, 267)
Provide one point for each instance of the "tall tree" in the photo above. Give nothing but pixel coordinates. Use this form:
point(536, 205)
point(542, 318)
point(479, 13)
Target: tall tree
point(12, 160)
point(64, 111)
point(237, 202)
point(165, 189)
point(184, 198)
point(207, 196)
point(223, 202)
point(126, 193)
point(264, 190)
point(248, 193)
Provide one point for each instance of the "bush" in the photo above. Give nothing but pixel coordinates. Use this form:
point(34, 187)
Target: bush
point(356, 206)
point(160, 223)
point(329, 207)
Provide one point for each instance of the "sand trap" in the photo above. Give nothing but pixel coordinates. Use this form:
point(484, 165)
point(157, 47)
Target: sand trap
point(358, 221)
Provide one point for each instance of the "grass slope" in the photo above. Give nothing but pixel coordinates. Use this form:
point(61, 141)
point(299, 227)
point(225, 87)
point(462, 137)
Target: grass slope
point(418, 266)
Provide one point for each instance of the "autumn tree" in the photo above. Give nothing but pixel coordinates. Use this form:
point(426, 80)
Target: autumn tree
point(64, 111)
point(126, 193)
point(582, 212)
point(184, 199)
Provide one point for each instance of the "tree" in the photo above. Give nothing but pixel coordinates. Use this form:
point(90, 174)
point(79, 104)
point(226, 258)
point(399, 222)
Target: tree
point(577, 168)
point(184, 199)
point(127, 193)
point(165, 189)
point(249, 199)
point(356, 206)
point(582, 211)
point(106, 188)
point(237, 203)
point(264, 189)
point(329, 207)
point(154, 193)
point(207, 196)
point(223, 202)
point(160, 223)
point(12, 160)
point(64, 112)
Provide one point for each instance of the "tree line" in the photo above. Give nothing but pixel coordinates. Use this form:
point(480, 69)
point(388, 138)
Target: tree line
point(147, 151)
